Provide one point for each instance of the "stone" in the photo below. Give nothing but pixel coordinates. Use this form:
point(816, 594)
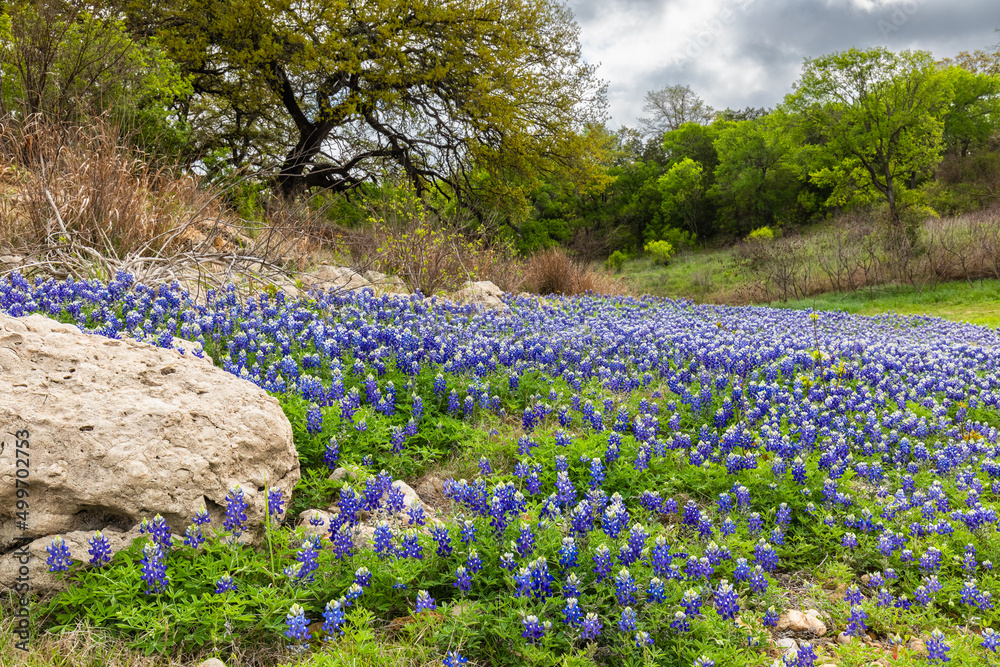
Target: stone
point(816, 624)
point(335, 278)
point(799, 622)
point(212, 662)
point(11, 259)
point(352, 474)
point(121, 430)
point(410, 496)
point(483, 294)
point(787, 645)
point(305, 520)
point(844, 638)
point(34, 556)
point(916, 645)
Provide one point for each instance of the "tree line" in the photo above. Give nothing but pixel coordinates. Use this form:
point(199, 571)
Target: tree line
point(489, 107)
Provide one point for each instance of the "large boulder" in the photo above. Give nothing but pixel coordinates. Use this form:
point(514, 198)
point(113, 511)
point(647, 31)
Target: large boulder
point(119, 430)
point(483, 293)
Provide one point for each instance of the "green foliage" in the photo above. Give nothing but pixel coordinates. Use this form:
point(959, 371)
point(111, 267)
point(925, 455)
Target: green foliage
point(761, 234)
point(661, 251)
point(756, 182)
point(68, 66)
point(338, 93)
point(616, 261)
point(880, 115)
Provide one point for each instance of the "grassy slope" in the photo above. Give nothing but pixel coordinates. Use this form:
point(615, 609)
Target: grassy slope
point(978, 303)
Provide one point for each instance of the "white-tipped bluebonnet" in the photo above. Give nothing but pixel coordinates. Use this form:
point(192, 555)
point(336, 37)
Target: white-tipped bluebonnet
point(297, 624)
point(154, 568)
point(59, 558)
point(100, 549)
point(424, 602)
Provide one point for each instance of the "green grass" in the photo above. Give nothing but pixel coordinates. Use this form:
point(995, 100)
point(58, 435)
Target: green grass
point(702, 275)
point(978, 303)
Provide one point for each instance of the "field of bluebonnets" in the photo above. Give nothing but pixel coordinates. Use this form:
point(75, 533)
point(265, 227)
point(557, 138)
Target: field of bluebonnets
point(635, 481)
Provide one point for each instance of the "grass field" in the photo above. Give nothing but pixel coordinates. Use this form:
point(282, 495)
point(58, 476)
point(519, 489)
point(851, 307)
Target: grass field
point(976, 303)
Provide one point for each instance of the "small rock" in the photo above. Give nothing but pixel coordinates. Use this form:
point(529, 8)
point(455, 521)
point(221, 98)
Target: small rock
point(305, 520)
point(816, 625)
point(409, 495)
point(212, 662)
point(793, 620)
point(787, 645)
point(844, 638)
point(916, 645)
point(352, 473)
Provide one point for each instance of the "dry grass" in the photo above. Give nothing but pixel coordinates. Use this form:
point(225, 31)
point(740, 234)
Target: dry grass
point(83, 202)
point(555, 272)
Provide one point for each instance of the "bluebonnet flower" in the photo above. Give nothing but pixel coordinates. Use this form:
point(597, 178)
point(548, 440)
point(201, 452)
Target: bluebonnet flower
point(642, 639)
point(306, 558)
point(333, 619)
point(236, 515)
point(154, 568)
point(298, 624)
point(363, 577)
point(991, 640)
point(805, 656)
point(592, 627)
point(425, 602)
point(484, 466)
point(726, 601)
point(225, 584)
point(314, 419)
point(602, 562)
point(410, 546)
point(534, 629)
point(758, 580)
point(625, 587)
point(572, 613)
point(463, 581)
point(680, 623)
point(474, 563)
point(626, 622)
point(568, 553)
point(771, 617)
point(158, 531)
point(703, 661)
point(331, 454)
point(655, 591)
point(100, 549)
point(571, 589)
point(416, 515)
point(193, 536)
point(59, 558)
point(440, 535)
point(454, 659)
point(936, 648)
point(856, 624)
point(691, 602)
point(275, 503)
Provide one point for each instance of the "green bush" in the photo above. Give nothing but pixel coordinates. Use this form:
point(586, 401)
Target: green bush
point(616, 261)
point(761, 234)
point(678, 238)
point(661, 251)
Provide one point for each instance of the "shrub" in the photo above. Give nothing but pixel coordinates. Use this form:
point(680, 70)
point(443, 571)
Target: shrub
point(554, 272)
point(678, 238)
point(761, 234)
point(616, 261)
point(661, 251)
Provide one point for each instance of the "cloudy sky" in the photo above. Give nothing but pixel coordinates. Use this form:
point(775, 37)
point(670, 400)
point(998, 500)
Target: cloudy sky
point(737, 53)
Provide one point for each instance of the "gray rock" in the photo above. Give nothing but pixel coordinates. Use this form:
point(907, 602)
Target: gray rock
point(120, 430)
point(483, 294)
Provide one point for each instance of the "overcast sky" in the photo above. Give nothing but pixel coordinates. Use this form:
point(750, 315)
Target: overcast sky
point(737, 53)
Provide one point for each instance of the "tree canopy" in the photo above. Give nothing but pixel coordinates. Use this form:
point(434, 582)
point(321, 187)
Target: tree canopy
point(456, 95)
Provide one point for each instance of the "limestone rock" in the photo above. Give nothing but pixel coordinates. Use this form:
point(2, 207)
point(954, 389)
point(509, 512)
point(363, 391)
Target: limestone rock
point(483, 293)
point(788, 646)
point(410, 496)
point(844, 638)
point(336, 278)
point(916, 645)
point(34, 556)
point(315, 522)
point(798, 622)
point(212, 662)
point(120, 430)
